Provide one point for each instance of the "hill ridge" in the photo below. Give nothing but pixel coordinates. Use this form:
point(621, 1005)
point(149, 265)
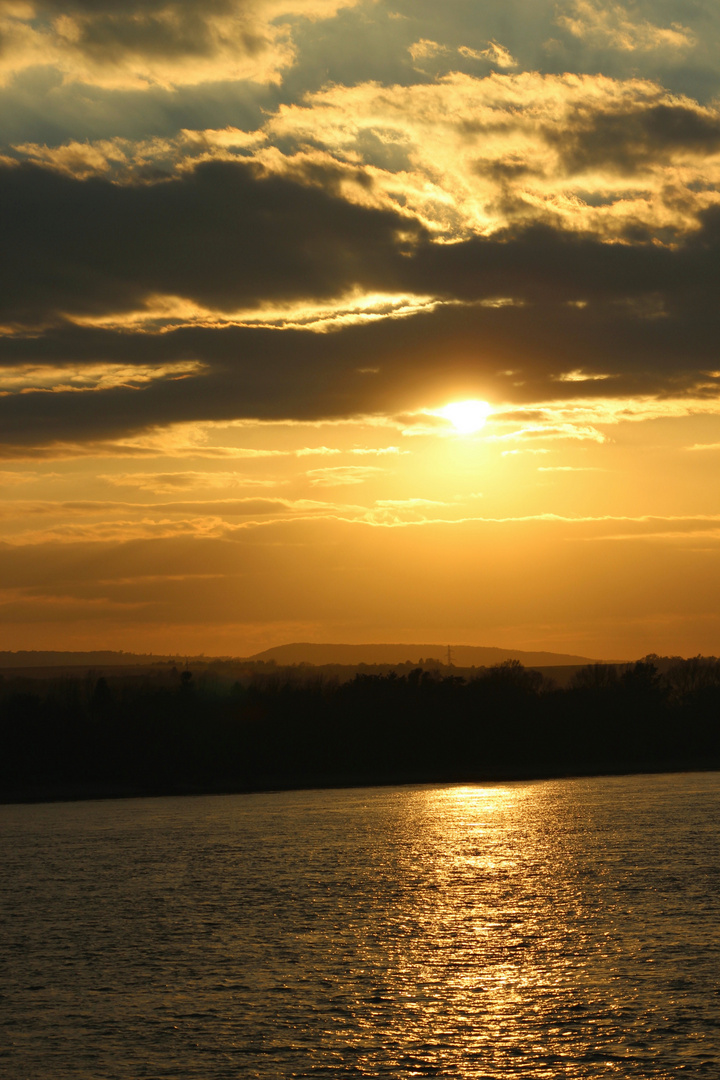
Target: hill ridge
point(318, 653)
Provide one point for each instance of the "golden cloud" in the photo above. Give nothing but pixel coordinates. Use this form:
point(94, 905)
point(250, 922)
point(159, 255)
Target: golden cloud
point(28, 378)
point(462, 155)
point(342, 475)
point(169, 483)
point(611, 25)
point(585, 152)
point(165, 43)
point(495, 53)
point(161, 313)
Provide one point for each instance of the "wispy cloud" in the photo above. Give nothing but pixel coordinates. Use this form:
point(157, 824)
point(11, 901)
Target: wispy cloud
point(342, 475)
point(494, 53)
point(612, 25)
point(171, 482)
point(19, 478)
point(582, 376)
point(26, 378)
point(551, 432)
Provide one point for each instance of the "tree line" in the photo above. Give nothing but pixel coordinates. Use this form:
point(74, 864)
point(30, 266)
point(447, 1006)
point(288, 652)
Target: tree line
point(93, 736)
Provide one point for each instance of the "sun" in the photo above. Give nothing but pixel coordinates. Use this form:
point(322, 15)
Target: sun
point(466, 417)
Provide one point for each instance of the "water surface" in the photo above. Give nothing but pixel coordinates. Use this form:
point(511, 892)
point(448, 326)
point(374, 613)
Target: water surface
point(559, 929)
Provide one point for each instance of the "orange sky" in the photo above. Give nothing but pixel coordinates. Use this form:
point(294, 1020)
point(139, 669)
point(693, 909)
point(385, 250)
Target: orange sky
point(256, 252)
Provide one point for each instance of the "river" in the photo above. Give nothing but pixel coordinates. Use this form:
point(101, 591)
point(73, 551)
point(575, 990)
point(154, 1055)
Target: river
point(556, 929)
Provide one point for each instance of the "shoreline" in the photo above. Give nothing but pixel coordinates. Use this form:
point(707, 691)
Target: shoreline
point(64, 793)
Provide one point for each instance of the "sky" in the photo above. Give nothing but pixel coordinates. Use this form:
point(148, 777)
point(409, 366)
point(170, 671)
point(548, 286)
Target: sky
point(360, 320)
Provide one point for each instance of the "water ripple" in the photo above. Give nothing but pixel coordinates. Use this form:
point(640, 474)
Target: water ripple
point(560, 929)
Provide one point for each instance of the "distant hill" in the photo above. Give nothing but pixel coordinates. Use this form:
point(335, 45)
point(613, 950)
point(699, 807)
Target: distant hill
point(41, 658)
point(462, 655)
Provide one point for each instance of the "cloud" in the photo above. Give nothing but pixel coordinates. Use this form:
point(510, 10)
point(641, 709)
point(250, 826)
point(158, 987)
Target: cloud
point(424, 49)
point(575, 432)
point(579, 376)
point(473, 155)
point(49, 378)
point(274, 375)
point(121, 532)
point(221, 236)
point(495, 53)
point(15, 479)
point(103, 520)
point(462, 155)
point(300, 515)
point(220, 507)
point(611, 25)
point(140, 44)
point(162, 313)
point(379, 451)
point(412, 503)
point(91, 249)
point(628, 141)
point(341, 475)
point(163, 483)
point(542, 302)
point(525, 450)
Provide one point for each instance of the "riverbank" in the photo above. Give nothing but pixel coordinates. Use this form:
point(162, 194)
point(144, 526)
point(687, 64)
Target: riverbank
point(268, 784)
point(98, 738)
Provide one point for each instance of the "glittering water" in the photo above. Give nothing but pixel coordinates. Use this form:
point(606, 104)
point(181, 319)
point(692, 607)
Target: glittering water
point(561, 929)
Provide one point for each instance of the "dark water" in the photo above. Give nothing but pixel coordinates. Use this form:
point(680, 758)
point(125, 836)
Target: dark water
point(558, 929)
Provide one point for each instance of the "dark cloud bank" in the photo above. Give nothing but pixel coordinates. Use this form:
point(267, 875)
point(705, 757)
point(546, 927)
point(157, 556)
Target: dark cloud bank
point(229, 238)
point(106, 30)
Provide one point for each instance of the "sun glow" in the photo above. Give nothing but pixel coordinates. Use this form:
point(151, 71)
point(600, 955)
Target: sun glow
point(466, 417)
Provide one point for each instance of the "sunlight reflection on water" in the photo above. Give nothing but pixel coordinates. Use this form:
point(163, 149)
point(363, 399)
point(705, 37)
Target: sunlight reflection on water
point(557, 929)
